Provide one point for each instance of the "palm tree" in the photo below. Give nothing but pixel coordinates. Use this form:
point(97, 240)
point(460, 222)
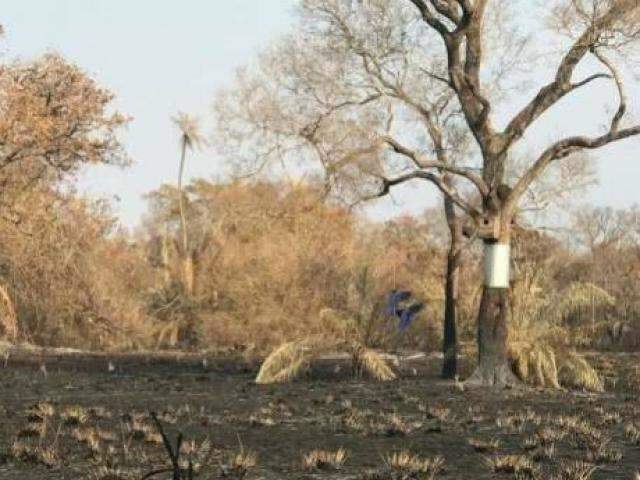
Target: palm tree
point(190, 139)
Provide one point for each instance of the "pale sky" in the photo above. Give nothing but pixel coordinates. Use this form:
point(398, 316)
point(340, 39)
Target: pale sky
point(161, 57)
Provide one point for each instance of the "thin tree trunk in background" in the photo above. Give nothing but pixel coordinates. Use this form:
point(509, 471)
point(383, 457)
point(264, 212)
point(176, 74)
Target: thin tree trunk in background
point(183, 218)
point(188, 266)
point(166, 256)
point(450, 338)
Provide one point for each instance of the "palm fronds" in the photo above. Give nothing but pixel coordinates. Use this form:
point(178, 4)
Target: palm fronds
point(535, 364)
point(189, 129)
point(581, 295)
point(371, 362)
point(292, 359)
point(286, 363)
point(538, 363)
point(8, 317)
point(576, 372)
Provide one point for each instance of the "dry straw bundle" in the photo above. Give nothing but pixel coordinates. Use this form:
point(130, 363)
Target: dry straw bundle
point(8, 316)
point(287, 362)
point(292, 359)
point(541, 365)
point(370, 362)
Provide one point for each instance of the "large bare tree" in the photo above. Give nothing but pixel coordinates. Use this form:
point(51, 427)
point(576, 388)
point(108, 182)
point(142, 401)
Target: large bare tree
point(596, 28)
point(386, 92)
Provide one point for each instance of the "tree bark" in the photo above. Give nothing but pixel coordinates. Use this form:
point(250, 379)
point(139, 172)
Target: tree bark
point(183, 216)
point(190, 272)
point(450, 338)
point(493, 369)
point(493, 361)
point(188, 264)
point(166, 256)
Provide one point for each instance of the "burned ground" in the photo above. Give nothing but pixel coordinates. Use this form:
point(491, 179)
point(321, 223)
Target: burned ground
point(82, 420)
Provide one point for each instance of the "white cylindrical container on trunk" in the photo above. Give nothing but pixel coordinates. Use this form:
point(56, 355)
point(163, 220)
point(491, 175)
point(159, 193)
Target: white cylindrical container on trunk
point(496, 265)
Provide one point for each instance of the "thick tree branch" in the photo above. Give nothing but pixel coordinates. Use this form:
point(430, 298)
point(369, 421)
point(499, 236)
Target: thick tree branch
point(430, 17)
point(550, 94)
point(422, 163)
point(562, 149)
point(448, 8)
point(438, 181)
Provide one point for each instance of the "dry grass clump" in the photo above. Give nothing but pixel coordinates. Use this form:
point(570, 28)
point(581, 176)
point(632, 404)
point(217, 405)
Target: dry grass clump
point(542, 443)
point(369, 361)
point(544, 453)
point(74, 415)
point(520, 465)
point(582, 294)
point(239, 464)
point(324, 459)
point(84, 434)
point(352, 420)
point(33, 430)
point(541, 365)
point(534, 364)
point(547, 435)
point(576, 372)
point(40, 412)
point(485, 446)
point(197, 456)
point(49, 456)
point(286, 363)
point(518, 421)
point(601, 451)
point(410, 465)
point(393, 425)
point(5, 349)
point(581, 433)
point(439, 411)
point(292, 359)
point(574, 471)
point(109, 473)
point(8, 316)
point(632, 432)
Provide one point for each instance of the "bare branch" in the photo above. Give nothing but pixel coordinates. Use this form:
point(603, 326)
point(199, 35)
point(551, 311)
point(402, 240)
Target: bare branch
point(562, 149)
point(429, 16)
point(423, 163)
point(449, 9)
point(622, 107)
point(550, 94)
point(590, 79)
point(438, 181)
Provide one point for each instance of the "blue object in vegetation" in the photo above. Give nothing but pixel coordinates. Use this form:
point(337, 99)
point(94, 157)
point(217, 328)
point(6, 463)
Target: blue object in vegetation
point(408, 314)
point(395, 297)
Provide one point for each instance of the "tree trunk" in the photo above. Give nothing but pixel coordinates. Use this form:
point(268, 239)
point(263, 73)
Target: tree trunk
point(166, 256)
point(189, 271)
point(450, 339)
point(493, 368)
